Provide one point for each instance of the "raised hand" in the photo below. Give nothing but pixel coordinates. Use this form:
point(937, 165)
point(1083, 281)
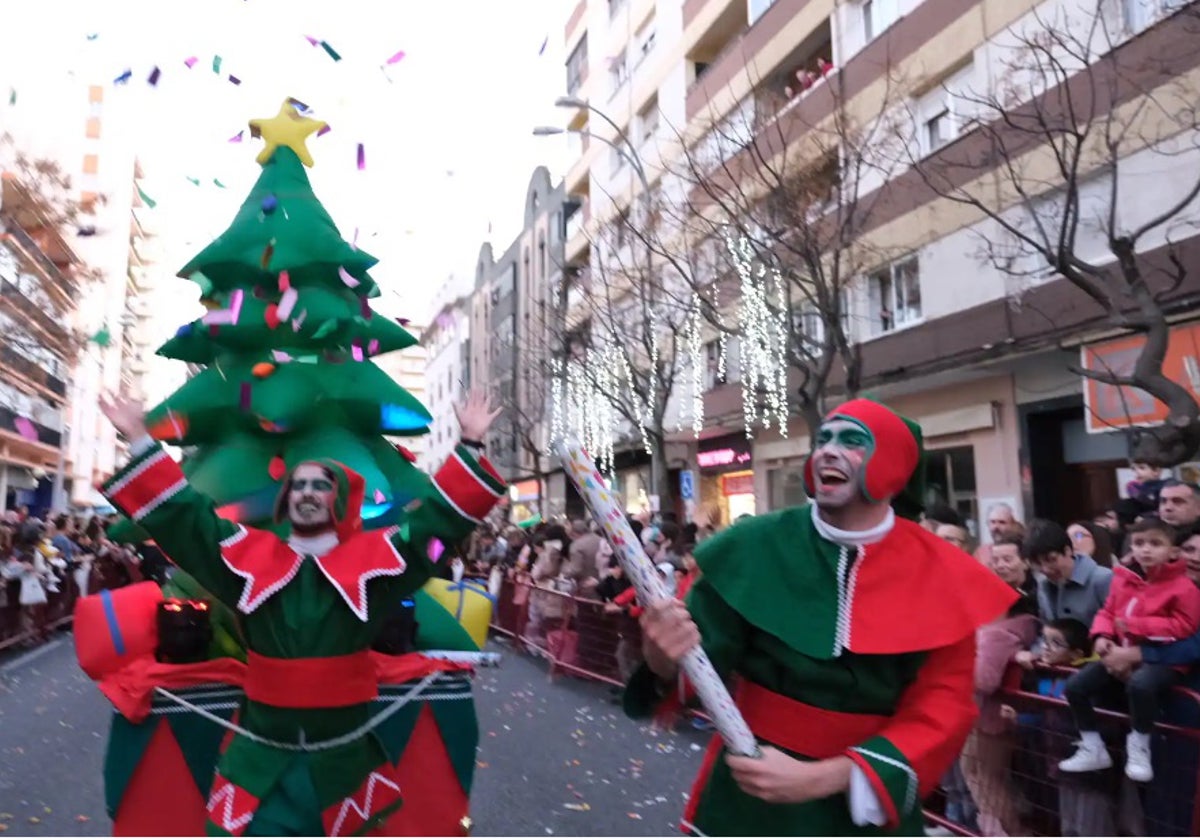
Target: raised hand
point(126, 414)
point(475, 415)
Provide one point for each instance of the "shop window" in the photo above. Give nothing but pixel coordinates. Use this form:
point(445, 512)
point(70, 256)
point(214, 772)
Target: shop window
point(950, 480)
point(785, 487)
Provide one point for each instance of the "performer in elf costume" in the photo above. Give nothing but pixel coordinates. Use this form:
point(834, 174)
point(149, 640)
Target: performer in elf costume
point(312, 601)
point(852, 633)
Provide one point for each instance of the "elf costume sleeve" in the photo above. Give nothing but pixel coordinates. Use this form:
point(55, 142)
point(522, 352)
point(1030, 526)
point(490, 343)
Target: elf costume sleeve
point(462, 492)
point(904, 761)
point(153, 492)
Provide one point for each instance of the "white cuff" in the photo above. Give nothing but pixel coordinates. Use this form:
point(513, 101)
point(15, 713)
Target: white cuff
point(865, 807)
point(141, 446)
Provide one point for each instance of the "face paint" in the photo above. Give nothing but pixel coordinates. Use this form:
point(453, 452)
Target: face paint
point(311, 497)
point(838, 463)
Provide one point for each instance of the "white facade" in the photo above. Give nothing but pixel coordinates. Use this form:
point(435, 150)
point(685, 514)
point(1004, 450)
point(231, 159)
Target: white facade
point(447, 341)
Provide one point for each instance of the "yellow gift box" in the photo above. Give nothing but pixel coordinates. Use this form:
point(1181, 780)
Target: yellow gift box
point(468, 601)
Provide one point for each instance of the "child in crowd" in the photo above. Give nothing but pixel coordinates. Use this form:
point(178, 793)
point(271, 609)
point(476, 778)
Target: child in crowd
point(1147, 481)
point(1151, 601)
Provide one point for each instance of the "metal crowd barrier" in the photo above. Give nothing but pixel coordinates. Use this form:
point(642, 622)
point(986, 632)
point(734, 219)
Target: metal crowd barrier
point(576, 635)
point(1013, 782)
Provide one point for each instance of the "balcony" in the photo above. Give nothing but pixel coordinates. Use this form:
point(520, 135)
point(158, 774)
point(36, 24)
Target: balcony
point(32, 250)
point(20, 304)
point(694, 10)
point(45, 434)
point(578, 14)
point(32, 371)
point(734, 43)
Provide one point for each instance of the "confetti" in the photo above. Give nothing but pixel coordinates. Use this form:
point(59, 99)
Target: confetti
point(347, 278)
point(82, 818)
point(287, 302)
point(190, 61)
point(481, 764)
point(26, 428)
point(364, 308)
point(633, 816)
point(217, 182)
point(234, 80)
point(216, 65)
point(154, 74)
point(93, 36)
point(356, 351)
point(354, 241)
point(237, 138)
point(362, 158)
point(542, 48)
point(147, 200)
point(398, 57)
point(280, 356)
point(268, 252)
point(373, 347)
point(325, 129)
point(379, 497)
point(35, 820)
point(331, 51)
point(285, 282)
point(123, 78)
point(244, 397)
point(311, 40)
point(12, 96)
point(577, 806)
point(195, 181)
point(296, 103)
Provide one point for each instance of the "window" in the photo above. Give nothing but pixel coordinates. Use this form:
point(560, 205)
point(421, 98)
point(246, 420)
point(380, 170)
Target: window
point(809, 323)
point(785, 487)
point(648, 119)
point(1141, 14)
point(950, 480)
point(895, 296)
point(577, 65)
point(716, 374)
point(941, 112)
point(757, 8)
point(645, 41)
point(616, 160)
point(618, 71)
point(542, 257)
point(877, 16)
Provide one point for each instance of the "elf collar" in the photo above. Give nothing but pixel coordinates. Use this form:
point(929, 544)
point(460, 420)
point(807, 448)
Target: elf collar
point(855, 538)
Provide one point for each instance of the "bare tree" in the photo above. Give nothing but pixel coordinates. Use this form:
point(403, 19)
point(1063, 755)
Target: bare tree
point(619, 336)
point(1054, 159)
point(780, 193)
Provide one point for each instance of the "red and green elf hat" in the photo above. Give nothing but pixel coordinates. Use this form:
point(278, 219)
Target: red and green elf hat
point(347, 506)
point(895, 466)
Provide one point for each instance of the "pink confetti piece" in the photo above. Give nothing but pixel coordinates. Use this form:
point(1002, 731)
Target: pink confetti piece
point(190, 61)
point(435, 550)
point(354, 241)
point(285, 281)
point(356, 351)
point(348, 278)
point(373, 347)
point(312, 41)
point(228, 315)
point(398, 57)
point(297, 323)
point(280, 356)
point(237, 138)
point(287, 303)
point(362, 158)
point(379, 497)
point(325, 129)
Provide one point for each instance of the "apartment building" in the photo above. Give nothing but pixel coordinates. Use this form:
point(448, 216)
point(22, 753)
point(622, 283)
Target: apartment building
point(980, 356)
point(512, 309)
point(37, 296)
point(448, 372)
point(409, 369)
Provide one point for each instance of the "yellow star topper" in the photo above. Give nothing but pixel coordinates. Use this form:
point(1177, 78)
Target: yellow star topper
point(287, 128)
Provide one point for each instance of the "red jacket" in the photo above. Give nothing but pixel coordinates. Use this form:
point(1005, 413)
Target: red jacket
point(1159, 606)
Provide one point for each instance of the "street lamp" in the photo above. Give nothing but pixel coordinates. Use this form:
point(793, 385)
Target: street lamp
point(628, 152)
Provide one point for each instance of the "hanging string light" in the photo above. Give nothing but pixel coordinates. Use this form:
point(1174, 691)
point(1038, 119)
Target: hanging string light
point(764, 333)
point(695, 349)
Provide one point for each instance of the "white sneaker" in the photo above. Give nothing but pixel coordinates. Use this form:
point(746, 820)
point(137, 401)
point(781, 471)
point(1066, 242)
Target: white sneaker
point(1088, 758)
point(1137, 758)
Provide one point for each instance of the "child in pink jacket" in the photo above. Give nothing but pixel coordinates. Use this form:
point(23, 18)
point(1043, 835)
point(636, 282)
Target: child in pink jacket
point(1152, 601)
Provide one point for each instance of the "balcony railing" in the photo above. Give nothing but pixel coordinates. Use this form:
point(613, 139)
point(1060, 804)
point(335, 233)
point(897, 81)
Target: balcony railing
point(46, 435)
point(31, 370)
point(32, 310)
point(31, 247)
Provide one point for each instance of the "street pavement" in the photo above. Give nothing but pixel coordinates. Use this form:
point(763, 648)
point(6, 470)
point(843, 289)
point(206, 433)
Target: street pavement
point(555, 757)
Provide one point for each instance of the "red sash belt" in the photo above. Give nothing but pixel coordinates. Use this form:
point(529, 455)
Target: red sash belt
point(318, 682)
point(801, 728)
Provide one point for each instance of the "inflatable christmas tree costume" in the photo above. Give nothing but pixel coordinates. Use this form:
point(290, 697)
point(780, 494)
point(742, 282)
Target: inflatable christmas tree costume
point(319, 742)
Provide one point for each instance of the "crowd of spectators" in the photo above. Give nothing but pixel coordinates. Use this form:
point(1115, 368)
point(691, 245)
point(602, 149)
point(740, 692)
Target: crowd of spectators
point(45, 564)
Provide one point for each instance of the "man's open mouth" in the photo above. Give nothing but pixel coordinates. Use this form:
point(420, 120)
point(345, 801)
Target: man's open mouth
point(831, 477)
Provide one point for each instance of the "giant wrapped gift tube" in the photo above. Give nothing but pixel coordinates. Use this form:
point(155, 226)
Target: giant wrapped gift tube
point(638, 568)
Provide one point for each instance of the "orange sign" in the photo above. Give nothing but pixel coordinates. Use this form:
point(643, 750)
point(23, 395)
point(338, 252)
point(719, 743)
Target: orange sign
point(1110, 407)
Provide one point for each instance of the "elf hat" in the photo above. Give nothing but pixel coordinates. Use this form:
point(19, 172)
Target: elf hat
point(895, 465)
point(347, 506)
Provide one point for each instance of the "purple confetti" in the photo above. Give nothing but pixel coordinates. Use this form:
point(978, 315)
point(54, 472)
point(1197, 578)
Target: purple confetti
point(325, 129)
point(399, 56)
point(244, 397)
point(373, 347)
point(354, 241)
point(364, 308)
point(311, 40)
point(347, 278)
point(379, 497)
point(287, 303)
point(356, 351)
point(237, 138)
point(435, 549)
point(234, 79)
point(190, 61)
point(154, 74)
point(362, 158)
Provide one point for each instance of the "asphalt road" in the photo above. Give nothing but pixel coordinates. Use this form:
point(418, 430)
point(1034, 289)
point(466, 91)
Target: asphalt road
point(555, 757)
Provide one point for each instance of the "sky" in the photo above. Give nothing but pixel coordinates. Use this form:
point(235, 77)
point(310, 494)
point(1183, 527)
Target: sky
point(446, 130)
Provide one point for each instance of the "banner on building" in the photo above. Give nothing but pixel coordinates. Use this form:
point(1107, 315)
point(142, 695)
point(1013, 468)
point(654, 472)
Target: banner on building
point(1110, 407)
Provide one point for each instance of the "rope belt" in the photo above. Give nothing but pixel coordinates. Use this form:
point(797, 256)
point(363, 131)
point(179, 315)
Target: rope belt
point(317, 746)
